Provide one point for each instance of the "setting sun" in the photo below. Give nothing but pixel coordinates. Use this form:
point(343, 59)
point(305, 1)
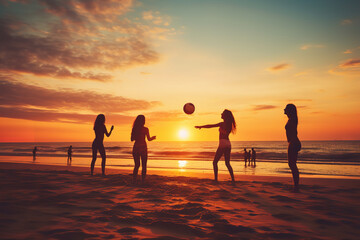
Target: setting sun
point(183, 134)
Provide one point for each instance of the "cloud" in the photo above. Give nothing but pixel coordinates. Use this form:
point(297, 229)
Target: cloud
point(19, 100)
point(263, 107)
point(346, 22)
point(155, 18)
point(308, 46)
point(75, 39)
point(351, 63)
point(301, 74)
point(279, 67)
point(55, 116)
point(349, 51)
point(349, 67)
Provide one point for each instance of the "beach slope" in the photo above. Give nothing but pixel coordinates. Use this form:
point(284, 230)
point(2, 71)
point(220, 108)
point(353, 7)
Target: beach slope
point(53, 202)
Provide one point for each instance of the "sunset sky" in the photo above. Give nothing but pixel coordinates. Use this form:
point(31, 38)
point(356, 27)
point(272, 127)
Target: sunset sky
point(62, 62)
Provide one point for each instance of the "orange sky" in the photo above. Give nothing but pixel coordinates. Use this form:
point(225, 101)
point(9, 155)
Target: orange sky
point(62, 65)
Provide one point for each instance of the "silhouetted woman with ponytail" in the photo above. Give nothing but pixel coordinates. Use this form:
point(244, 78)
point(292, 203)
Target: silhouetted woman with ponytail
point(225, 128)
point(294, 142)
point(98, 143)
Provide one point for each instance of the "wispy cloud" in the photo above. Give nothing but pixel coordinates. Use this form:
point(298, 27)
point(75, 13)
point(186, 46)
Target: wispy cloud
point(156, 18)
point(308, 46)
point(76, 39)
point(301, 74)
point(19, 100)
point(351, 63)
point(349, 67)
point(145, 73)
point(349, 51)
point(346, 21)
point(263, 107)
point(279, 67)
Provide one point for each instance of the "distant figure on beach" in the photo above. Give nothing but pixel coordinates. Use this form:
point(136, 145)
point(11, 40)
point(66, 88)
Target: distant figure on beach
point(138, 134)
point(294, 142)
point(225, 128)
point(98, 143)
point(245, 156)
point(253, 156)
point(69, 159)
point(34, 153)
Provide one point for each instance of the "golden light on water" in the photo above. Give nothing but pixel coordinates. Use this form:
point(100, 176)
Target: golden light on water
point(182, 164)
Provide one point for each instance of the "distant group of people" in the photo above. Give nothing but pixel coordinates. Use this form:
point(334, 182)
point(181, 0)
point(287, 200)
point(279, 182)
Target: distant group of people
point(69, 152)
point(140, 134)
point(250, 157)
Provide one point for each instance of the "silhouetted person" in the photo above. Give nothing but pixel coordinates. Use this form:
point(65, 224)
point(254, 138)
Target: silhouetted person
point(98, 145)
point(253, 156)
point(225, 128)
point(245, 156)
point(249, 157)
point(294, 142)
point(69, 159)
point(138, 134)
point(34, 153)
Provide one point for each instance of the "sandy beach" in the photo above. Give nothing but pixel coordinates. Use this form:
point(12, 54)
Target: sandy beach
point(64, 202)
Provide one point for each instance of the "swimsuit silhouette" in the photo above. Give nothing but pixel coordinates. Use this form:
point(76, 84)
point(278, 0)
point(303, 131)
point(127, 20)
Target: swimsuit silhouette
point(138, 134)
point(225, 128)
point(98, 145)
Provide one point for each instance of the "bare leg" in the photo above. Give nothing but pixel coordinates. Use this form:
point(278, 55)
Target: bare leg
point(292, 159)
point(227, 163)
point(217, 157)
point(136, 157)
point(94, 153)
point(144, 157)
point(103, 157)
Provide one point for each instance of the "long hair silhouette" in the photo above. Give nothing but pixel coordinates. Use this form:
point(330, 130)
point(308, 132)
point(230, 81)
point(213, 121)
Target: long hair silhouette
point(137, 126)
point(229, 121)
point(99, 121)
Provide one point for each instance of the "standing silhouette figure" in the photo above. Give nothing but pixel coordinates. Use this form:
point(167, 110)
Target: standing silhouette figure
point(245, 156)
point(253, 156)
point(294, 142)
point(69, 159)
point(34, 153)
point(98, 143)
point(138, 134)
point(225, 128)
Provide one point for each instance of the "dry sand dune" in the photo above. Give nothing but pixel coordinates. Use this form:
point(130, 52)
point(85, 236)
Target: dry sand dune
point(52, 202)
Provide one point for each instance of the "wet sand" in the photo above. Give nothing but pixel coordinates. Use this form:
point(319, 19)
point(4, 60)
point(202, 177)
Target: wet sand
point(65, 202)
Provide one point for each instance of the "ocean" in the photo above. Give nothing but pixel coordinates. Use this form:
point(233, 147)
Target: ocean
point(340, 159)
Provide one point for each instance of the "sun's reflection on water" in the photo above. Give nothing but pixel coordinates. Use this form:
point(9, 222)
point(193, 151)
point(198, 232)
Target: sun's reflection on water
point(182, 165)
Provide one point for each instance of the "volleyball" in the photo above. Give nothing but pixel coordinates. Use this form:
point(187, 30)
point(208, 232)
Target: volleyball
point(189, 108)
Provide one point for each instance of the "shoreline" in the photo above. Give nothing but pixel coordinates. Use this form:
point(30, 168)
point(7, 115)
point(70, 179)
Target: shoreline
point(201, 169)
point(223, 177)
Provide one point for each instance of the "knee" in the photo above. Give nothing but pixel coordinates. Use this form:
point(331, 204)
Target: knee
point(137, 165)
point(292, 165)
